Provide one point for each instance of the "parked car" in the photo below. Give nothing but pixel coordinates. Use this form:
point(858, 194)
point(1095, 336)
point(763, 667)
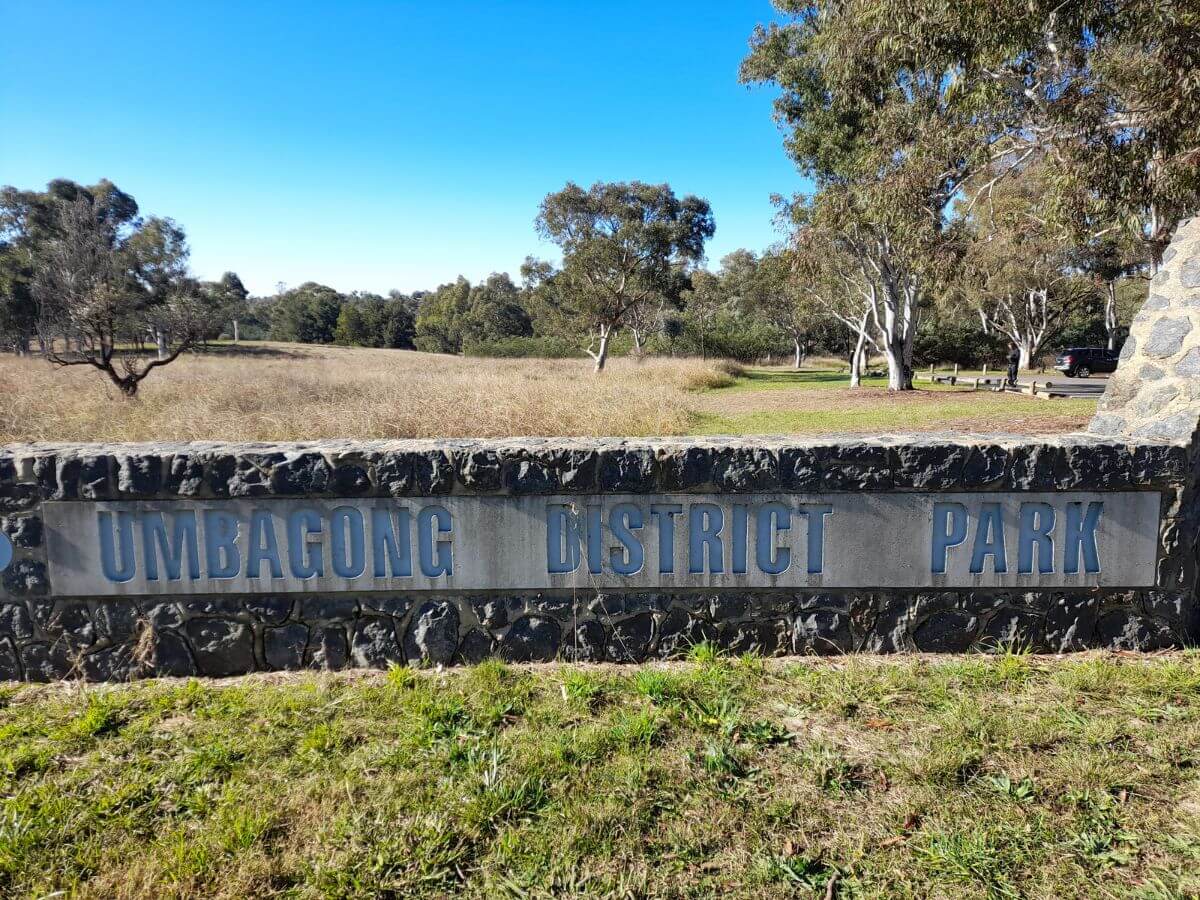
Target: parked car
point(1080, 362)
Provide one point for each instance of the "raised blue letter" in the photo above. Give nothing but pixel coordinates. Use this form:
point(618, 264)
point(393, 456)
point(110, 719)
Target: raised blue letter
point(628, 558)
point(1081, 536)
point(349, 558)
point(949, 530)
point(1037, 522)
point(183, 537)
point(704, 536)
point(989, 540)
point(772, 519)
point(440, 562)
point(108, 549)
point(220, 544)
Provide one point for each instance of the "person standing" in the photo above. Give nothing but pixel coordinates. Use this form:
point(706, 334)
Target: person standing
point(1014, 359)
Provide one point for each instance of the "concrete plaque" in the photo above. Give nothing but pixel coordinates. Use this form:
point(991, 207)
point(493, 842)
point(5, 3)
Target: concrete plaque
point(461, 543)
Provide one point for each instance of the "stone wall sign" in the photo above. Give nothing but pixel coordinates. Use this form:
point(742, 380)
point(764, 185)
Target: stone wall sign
point(657, 541)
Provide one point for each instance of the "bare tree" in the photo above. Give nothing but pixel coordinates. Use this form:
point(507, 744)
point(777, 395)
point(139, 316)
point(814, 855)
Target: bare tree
point(95, 309)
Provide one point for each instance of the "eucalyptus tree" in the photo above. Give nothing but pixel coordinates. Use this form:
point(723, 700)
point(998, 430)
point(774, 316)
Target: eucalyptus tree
point(887, 137)
point(624, 245)
point(110, 296)
point(1021, 270)
point(29, 220)
point(781, 295)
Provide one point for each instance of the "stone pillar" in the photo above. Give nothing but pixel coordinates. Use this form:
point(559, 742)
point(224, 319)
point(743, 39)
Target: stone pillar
point(1155, 392)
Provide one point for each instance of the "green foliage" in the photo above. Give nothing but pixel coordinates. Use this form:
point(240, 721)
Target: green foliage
point(627, 247)
point(307, 314)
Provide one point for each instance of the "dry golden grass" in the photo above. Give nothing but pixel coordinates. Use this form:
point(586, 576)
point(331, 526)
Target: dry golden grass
point(295, 392)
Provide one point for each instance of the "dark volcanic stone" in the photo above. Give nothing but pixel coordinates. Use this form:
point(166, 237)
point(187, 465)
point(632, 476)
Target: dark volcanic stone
point(322, 609)
point(169, 655)
point(1032, 468)
point(46, 662)
point(822, 631)
point(25, 578)
point(1158, 464)
point(10, 661)
point(477, 645)
point(531, 639)
point(139, 476)
point(680, 631)
point(630, 639)
point(15, 621)
point(527, 476)
point(1019, 628)
point(685, 468)
point(327, 648)
point(929, 466)
point(746, 469)
point(283, 648)
point(586, 643)
point(395, 473)
point(23, 531)
point(271, 610)
point(95, 477)
point(626, 471)
point(57, 478)
point(800, 468)
point(577, 469)
point(349, 480)
point(1071, 622)
point(185, 475)
point(72, 621)
point(229, 607)
point(110, 664)
point(1125, 630)
point(764, 638)
point(374, 644)
point(433, 473)
point(948, 631)
point(1093, 466)
point(388, 606)
point(221, 647)
point(162, 615)
point(18, 497)
point(301, 476)
point(479, 470)
point(492, 612)
point(432, 634)
point(116, 620)
point(856, 467)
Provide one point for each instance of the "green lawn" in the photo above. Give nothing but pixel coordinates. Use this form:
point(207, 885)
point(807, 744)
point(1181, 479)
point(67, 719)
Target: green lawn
point(975, 776)
point(811, 401)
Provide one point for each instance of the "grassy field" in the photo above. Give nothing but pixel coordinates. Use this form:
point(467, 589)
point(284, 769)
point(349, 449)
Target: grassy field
point(295, 392)
point(977, 776)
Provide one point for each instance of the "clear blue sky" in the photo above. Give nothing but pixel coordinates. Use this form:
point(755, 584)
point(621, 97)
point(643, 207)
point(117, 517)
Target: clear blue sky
point(387, 145)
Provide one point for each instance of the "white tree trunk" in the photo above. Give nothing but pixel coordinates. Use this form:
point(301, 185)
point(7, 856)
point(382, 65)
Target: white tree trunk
point(236, 336)
point(600, 356)
point(856, 359)
point(160, 341)
point(1026, 353)
point(637, 340)
point(799, 357)
point(1111, 322)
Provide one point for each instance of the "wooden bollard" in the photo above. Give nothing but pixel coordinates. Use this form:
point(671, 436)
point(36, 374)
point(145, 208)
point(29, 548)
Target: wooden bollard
point(985, 370)
point(956, 370)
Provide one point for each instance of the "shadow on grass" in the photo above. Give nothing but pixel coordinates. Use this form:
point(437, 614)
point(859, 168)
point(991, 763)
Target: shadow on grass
point(247, 351)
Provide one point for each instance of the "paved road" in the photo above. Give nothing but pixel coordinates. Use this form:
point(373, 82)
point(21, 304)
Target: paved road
point(1055, 384)
point(1061, 384)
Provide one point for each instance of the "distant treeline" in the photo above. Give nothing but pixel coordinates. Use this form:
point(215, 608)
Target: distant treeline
point(500, 318)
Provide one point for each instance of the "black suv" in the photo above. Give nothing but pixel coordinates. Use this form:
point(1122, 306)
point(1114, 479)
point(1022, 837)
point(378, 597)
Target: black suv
point(1080, 362)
